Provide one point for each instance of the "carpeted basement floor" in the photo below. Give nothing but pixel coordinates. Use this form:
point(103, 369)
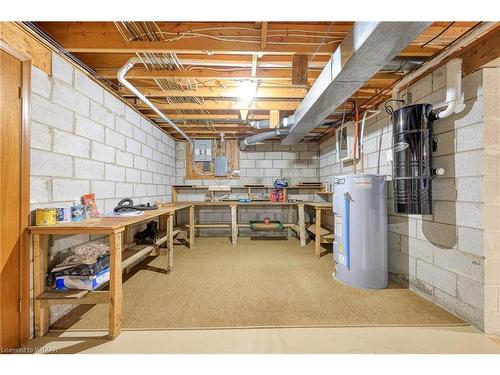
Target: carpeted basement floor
point(258, 283)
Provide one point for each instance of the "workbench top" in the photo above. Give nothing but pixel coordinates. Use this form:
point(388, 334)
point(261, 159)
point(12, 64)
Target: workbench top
point(258, 203)
point(238, 203)
point(106, 224)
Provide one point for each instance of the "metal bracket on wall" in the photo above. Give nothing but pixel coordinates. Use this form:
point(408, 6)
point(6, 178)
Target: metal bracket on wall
point(435, 144)
point(407, 97)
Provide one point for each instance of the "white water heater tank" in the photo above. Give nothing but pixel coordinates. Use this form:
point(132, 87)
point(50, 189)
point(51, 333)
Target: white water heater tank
point(360, 226)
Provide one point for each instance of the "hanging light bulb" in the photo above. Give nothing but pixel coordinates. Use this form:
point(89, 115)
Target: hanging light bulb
point(247, 91)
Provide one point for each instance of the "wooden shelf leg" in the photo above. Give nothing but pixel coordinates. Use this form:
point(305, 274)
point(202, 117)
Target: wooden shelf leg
point(302, 225)
point(191, 227)
point(234, 224)
point(115, 284)
point(317, 237)
point(40, 254)
point(170, 243)
point(163, 226)
point(289, 221)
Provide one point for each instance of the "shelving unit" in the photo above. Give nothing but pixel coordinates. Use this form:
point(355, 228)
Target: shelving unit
point(131, 255)
point(124, 253)
point(249, 189)
point(324, 234)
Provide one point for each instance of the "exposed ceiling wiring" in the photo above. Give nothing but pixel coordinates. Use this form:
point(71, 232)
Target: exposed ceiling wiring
point(150, 31)
point(438, 35)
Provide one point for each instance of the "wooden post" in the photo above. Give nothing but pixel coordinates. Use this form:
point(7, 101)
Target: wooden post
point(302, 225)
point(234, 224)
point(300, 65)
point(170, 242)
point(274, 118)
point(115, 284)
point(40, 253)
point(317, 238)
point(163, 223)
point(191, 227)
point(243, 114)
point(289, 221)
point(174, 194)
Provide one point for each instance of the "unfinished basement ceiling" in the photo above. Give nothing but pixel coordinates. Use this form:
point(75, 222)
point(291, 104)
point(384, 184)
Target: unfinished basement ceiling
point(194, 71)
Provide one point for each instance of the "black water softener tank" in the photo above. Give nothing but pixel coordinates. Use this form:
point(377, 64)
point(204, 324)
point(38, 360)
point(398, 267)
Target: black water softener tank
point(412, 148)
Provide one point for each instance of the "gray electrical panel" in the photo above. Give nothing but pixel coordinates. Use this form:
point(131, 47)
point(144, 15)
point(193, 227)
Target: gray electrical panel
point(220, 166)
point(202, 150)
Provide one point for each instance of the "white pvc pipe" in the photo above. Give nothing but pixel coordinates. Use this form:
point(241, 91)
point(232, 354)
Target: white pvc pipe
point(453, 87)
point(476, 33)
point(121, 78)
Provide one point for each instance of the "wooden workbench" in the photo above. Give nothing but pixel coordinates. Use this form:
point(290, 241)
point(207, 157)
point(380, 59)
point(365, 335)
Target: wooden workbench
point(248, 189)
point(122, 255)
point(298, 227)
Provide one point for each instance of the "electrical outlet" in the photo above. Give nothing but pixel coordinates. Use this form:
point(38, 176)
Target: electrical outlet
point(389, 155)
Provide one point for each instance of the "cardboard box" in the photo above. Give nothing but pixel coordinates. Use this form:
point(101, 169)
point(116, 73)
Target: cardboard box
point(82, 282)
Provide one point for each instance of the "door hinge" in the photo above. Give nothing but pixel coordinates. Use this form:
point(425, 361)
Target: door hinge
point(20, 92)
point(20, 305)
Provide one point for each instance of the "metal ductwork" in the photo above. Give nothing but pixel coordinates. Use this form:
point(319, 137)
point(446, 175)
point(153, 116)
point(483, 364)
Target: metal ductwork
point(285, 122)
point(121, 78)
point(263, 124)
point(261, 137)
point(365, 51)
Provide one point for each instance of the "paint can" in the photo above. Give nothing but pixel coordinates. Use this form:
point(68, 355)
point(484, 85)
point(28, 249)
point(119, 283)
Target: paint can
point(45, 216)
point(63, 214)
point(77, 213)
point(87, 212)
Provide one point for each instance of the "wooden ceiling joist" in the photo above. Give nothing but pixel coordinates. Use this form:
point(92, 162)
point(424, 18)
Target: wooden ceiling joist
point(217, 56)
point(226, 38)
point(207, 73)
point(226, 105)
point(116, 60)
point(221, 92)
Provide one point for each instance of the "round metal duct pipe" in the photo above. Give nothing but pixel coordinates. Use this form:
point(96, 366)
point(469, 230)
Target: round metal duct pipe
point(261, 137)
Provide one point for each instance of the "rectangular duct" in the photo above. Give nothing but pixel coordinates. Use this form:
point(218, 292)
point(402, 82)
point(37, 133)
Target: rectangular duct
point(364, 51)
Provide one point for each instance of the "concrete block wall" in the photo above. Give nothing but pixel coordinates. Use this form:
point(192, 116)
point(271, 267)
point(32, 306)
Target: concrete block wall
point(441, 256)
point(85, 140)
point(259, 164)
point(491, 196)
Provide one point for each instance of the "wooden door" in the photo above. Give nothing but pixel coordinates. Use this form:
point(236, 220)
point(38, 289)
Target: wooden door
point(11, 79)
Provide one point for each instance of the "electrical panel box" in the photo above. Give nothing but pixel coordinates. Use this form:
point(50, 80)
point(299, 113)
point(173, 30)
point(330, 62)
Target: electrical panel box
point(345, 143)
point(220, 166)
point(202, 150)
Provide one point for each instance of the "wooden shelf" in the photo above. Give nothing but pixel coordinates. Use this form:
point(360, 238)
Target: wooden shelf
point(215, 225)
point(130, 256)
point(135, 253)
point(205, 187)
point(247, 189)
point(75, 297)
point(325, 234)
point(63, 294)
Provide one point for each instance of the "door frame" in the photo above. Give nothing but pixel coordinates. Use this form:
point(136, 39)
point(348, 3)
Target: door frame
point(25, 277)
